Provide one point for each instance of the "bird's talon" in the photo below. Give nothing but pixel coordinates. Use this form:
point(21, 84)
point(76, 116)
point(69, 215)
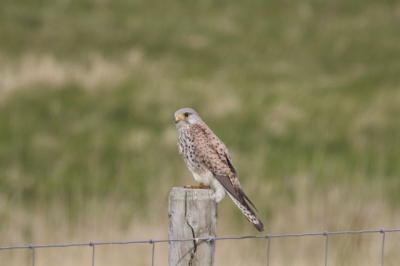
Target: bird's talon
point(200, 186)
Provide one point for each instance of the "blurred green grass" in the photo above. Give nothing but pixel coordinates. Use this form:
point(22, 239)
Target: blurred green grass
point(295, 89)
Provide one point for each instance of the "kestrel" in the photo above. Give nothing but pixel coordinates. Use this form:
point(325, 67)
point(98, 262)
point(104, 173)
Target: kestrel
point(208, 159)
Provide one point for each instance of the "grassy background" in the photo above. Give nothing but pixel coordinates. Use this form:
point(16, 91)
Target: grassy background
point(305, 95)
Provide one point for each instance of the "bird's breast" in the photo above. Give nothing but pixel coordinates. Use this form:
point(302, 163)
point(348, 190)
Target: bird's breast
point(187, 149)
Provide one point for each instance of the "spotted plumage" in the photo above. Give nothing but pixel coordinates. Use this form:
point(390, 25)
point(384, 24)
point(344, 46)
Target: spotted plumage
point(208, 159)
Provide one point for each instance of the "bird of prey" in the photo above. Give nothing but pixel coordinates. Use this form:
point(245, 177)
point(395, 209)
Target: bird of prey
point(208, 159)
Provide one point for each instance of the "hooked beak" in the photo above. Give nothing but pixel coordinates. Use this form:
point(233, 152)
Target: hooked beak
point(178, 118)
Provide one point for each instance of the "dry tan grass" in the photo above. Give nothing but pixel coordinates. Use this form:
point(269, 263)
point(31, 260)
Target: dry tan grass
point(33, 69)
point(337, 209)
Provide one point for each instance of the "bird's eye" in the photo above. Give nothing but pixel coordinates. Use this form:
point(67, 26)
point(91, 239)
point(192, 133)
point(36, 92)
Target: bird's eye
point(186, 114)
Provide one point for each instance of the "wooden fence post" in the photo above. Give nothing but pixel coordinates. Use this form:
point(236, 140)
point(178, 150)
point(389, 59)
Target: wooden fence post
point(192, 214)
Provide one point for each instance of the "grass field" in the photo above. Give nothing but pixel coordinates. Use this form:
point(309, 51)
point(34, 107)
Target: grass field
point(305, 95)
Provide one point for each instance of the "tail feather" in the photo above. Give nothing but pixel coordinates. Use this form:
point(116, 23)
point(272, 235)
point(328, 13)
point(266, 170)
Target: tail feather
point(241, 200)
point(248, 213)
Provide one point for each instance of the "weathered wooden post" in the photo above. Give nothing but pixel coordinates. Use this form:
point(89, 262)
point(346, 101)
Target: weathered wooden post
point(192, 214)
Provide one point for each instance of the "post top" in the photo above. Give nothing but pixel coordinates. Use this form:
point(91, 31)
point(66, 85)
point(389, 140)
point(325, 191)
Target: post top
point(181, 193)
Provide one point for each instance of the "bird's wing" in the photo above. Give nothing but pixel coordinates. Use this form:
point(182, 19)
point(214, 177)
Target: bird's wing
point(216, 157)
point(213, 153)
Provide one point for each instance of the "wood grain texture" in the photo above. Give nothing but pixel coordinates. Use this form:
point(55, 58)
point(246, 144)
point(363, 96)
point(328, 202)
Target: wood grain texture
point(192, 214)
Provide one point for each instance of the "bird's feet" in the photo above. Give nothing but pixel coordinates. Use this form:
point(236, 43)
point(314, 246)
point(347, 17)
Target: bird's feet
point(218, 195)
point(200, 186)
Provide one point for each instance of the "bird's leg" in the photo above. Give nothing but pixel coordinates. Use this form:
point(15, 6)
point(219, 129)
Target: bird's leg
point(200, 186)
point(219, 191)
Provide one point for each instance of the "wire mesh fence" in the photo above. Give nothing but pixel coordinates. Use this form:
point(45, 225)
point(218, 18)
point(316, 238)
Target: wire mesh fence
point(267, 237)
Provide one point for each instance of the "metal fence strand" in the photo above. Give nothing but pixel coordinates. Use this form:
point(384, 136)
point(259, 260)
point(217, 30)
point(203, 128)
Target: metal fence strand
point(212, 239)
point(268, 248)
point(383, 247)
point(201, 239)
point(326, 249)
point(93, 251)
point(152, 251)
point(33, 254)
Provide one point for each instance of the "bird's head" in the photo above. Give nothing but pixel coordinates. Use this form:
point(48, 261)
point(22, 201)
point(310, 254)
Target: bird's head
point(186, 116)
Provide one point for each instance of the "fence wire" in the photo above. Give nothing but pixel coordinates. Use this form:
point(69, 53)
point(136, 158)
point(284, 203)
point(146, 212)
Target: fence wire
point(153, 242)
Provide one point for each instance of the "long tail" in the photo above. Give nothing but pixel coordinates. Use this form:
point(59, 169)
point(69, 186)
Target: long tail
point(248, 212)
